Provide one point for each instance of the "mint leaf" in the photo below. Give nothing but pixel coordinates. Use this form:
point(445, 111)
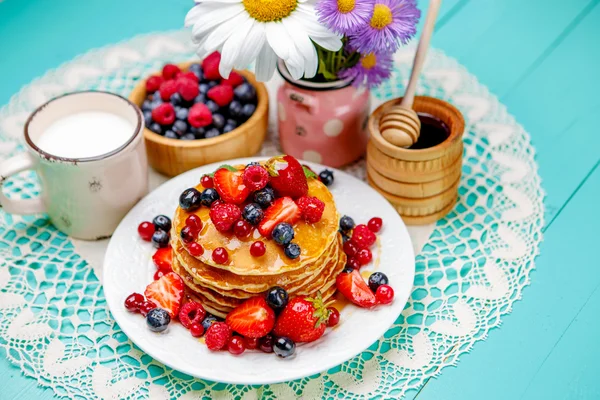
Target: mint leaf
point(308, 173)
point(226, 166)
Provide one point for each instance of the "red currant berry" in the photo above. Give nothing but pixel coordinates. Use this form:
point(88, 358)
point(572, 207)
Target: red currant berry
point(374, 224)
point(188, 235)
point(353, 263)
point(133, 302)
point(158, 274)
point(251, 343)
point(265, 344)
point(350, 249)
point(364, 256)
point(195, 249)
point(257, 249)
point(197, 330)
point(384, 294)
point(146, 230)
point(207, 182)
point(236, 345)
point(334, 317)
point(195, 223)
point(220, 256)
point(146, 307)
point(242, 229)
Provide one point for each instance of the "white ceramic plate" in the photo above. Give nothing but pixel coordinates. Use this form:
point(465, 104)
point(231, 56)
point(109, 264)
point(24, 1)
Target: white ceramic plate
point(128, 268)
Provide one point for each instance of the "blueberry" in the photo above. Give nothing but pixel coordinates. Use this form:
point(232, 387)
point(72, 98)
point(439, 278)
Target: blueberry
point(160, 239)
point(264, 197)
point(253, 213)
point(156, 101)
point(292, 251)
point(196, 69)
point(212, 84)
point(248, 110)
point(283, 233)
point(208, 320)
point(377, 279)
point(228, 128)
point(218, 121)
point(346, 223)
point(156, 128)
point(203, 88)
point(212, 106)
point(148, 118)
point(211, 133)
point(182, 114)
point(208, 197)
point(284, 347)
point(176, 99)
point(158, 319)
point(147, 105)
point(198, 132)
point(180, 127)
point(190, 199)
point(232, 122)
point(245, 92)
point(277, 298)
point(235, 109)
point(162, 222)
point(253, 163)
point(201, 98)
point(171, 135)
point(347, 270)
point(345, 237)
point(188, 136)
point(326, 177)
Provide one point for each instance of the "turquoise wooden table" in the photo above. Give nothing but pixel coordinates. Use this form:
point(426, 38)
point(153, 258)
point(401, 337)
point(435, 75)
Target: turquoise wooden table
point(541, 58)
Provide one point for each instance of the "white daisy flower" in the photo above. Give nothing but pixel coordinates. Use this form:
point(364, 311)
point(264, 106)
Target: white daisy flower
point(261, 30)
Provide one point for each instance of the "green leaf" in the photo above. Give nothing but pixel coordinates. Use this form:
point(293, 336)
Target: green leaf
point(226, 166)
point(308, 173)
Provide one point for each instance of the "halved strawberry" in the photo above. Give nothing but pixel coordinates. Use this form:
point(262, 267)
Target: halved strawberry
point(253, 318)
point(166, 293)
point(303, 319)
point(163, 258)
point(283, 209)
point(287, 176)
point(229, 183)
point(355, 289)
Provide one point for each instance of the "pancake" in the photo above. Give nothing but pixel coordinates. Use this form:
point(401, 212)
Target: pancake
point(313, 240)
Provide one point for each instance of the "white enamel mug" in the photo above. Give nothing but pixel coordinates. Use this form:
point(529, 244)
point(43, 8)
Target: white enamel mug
point(85, 198)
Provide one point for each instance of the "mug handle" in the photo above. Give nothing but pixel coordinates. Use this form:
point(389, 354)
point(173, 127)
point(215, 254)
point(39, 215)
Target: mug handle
point(14, 165)
point(309, 102)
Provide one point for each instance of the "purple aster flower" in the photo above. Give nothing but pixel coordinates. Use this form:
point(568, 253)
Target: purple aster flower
point(393, 22)
point(371, 69)
point(344, 16)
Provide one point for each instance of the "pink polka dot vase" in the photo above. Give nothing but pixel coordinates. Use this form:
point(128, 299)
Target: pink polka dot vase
point(322, 122)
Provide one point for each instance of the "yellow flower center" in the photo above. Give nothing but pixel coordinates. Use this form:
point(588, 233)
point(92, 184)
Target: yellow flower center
point(269, 10)
point(345, 6)
point(382, 16)
point(369, 61)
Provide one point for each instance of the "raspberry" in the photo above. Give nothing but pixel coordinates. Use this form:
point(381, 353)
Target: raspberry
point(312, 208)
point(191, 313)
point(221, 94)
point(256, 177)
point(167, 89)
point(170, 71)
point(187, 88)
point(164, 114)
point(362, 237)
point(217, 336)
point(199, 116)
point(374, 224)
point(153, 83)
point(187, 75)
point(234, 79)
point(210, 66)
point(224, 216)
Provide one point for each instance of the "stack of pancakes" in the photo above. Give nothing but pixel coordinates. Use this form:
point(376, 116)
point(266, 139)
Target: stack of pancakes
point(220, 288)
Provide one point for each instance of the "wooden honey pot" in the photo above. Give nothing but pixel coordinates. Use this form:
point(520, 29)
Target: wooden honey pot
point(420, 181)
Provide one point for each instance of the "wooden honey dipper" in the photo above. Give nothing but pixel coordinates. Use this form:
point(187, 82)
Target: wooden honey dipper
point(400, 125)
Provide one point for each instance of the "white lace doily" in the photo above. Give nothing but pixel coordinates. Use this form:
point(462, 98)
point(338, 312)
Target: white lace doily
point(56, 327)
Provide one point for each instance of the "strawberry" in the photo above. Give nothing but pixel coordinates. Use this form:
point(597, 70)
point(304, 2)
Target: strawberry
point(234, 80)
point(166, 293)
point(163, 258)
point(229, 183)
point(303, 319)
point(287, 177)
point(355, 289)
point(253, 318)
point(221, 94)
point(210, 66)
point(363, 237)
point(223, 216)
point(282, 210)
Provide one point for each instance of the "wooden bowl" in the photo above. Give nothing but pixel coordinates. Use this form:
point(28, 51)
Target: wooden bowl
point(172, 156)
